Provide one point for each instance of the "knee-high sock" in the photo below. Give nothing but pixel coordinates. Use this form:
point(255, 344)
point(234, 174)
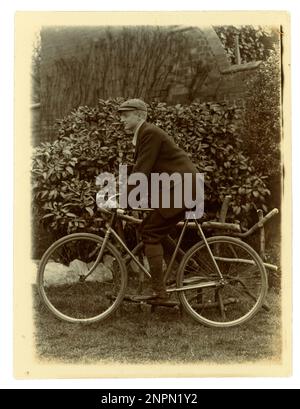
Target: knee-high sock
point(154, 254)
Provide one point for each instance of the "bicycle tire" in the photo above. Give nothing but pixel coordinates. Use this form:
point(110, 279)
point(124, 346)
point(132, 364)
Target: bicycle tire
point(60, 287)
point(214, 306)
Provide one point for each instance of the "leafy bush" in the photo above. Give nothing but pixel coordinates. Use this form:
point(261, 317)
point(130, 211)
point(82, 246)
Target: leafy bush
point(92, 140)
point(255, 43)
point(262, 119)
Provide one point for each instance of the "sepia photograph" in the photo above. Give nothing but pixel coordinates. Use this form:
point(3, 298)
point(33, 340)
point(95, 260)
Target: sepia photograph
point(152, 163)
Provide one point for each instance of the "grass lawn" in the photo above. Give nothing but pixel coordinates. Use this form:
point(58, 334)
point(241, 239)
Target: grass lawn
point(135, 335)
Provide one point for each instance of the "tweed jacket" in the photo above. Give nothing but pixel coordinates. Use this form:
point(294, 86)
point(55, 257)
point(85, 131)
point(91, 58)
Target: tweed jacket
point(156, 152)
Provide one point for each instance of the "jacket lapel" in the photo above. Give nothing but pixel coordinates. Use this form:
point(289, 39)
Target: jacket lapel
point(138, 140)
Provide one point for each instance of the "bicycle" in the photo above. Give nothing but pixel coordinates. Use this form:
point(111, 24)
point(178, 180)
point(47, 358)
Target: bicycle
point(221, 281)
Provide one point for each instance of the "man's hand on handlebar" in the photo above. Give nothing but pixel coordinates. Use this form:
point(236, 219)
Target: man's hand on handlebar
point(110, 203)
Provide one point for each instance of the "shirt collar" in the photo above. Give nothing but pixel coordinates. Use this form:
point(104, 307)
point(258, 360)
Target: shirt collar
point(136, 131)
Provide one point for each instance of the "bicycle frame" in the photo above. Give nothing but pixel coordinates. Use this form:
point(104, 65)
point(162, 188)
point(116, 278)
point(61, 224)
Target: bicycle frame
point(110, 231)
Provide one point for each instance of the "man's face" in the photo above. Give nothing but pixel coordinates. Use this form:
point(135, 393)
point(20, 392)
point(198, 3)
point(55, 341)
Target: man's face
point(130, 119)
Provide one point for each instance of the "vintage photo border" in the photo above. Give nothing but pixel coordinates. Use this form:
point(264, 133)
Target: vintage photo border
point(27, 365)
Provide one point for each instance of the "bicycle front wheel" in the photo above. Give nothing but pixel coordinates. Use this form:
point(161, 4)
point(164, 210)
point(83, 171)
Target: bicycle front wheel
point(68, 287)
point(228, 302)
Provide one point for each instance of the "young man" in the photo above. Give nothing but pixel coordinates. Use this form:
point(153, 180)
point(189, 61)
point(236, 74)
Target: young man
point(157, 153)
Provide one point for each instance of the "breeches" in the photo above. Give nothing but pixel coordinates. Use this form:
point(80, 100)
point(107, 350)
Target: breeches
point(155, 227)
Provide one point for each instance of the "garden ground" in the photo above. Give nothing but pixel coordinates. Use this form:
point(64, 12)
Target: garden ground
point(134, 334)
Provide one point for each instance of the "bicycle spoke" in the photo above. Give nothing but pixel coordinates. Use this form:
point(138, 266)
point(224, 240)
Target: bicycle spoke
point(204, 265)
point(69, 291)
point(247, 291)
point(222, 309)
point(241, 293)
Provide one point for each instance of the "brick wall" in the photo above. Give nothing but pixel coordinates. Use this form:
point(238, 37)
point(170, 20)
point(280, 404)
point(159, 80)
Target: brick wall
point(72, 72)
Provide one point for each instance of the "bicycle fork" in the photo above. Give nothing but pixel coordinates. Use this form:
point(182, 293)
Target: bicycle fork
point(99, 257)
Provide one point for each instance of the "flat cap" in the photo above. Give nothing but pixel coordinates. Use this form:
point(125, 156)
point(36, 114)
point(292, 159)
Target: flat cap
point(132, 105)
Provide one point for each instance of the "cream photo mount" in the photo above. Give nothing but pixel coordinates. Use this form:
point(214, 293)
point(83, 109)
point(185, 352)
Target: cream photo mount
point(27, 363)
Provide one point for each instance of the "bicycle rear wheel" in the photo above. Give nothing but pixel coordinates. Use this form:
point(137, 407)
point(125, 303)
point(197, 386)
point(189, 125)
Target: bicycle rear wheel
point(67, 288)
point(231, 302)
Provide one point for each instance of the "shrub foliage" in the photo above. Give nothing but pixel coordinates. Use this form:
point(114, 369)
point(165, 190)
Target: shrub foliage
point(91, 140)
point(255, 42)
point(262, 118)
